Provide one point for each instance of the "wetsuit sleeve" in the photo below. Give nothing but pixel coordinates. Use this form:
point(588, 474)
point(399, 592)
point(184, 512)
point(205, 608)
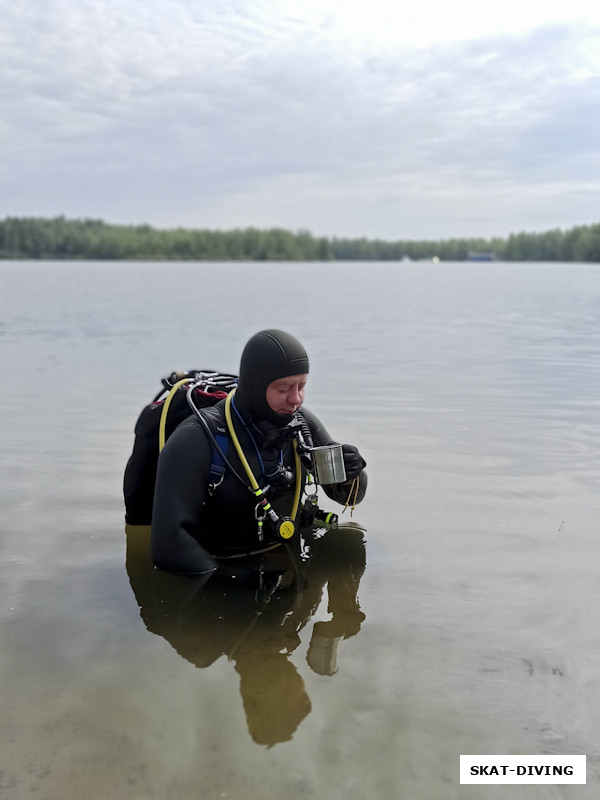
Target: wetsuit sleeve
point(337, 492)
point(181, 484)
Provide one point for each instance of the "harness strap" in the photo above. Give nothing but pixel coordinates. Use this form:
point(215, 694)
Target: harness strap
point(217, 464)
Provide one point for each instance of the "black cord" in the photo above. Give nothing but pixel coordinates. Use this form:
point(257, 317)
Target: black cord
point(211, 436)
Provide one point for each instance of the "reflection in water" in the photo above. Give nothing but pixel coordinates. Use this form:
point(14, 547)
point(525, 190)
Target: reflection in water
point(254, 613)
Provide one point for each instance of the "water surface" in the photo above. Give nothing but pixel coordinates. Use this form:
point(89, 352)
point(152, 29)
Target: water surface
point(464, 589)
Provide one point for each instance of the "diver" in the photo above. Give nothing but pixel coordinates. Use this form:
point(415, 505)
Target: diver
point(230, 478)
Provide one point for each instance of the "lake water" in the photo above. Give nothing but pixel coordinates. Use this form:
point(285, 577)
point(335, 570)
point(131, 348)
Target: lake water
point(473, 392)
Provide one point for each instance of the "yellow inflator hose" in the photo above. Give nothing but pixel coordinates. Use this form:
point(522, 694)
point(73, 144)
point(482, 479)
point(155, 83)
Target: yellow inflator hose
point(246, 465)
point(165, 411)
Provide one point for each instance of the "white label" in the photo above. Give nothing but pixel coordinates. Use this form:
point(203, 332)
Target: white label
point(522, 769)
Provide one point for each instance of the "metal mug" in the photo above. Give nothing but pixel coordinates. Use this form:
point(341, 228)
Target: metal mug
point(328, 464)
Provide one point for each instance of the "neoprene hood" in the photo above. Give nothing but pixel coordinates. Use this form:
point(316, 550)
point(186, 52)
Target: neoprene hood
point(268, 356)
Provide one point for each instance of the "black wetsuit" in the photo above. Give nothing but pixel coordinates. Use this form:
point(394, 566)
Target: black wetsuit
point(189, 524)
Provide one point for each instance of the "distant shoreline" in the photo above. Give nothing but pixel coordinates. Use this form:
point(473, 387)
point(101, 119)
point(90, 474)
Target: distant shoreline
point(61, 239)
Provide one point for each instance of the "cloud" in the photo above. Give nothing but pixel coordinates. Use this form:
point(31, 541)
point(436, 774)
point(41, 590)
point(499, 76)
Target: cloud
point(228, 114)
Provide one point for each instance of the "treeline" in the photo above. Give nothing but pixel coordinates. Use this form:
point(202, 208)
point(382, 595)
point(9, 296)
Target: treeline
point(61, 238)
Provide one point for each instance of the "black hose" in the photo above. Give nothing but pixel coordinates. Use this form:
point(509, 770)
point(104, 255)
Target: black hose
point(211, 436)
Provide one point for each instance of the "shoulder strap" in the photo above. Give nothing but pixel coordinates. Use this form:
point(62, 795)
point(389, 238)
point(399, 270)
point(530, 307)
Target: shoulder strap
point(218, 458)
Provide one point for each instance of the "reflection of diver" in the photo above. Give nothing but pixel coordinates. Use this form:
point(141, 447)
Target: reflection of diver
point(253, 613)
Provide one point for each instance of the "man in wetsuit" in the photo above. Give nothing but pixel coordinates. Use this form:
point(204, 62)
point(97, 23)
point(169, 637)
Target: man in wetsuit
point(196, 519)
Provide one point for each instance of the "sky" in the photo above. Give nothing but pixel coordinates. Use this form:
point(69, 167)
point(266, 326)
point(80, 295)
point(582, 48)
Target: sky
point(385, 119)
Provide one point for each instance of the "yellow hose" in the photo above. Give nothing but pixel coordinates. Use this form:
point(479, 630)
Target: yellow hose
point(246, 465)
point(165, 410)
point(298, 490)
point(236, 442)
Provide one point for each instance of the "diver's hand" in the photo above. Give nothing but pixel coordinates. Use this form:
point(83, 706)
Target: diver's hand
point(354, 463)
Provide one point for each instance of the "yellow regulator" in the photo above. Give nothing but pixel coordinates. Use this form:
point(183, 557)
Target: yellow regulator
point(286, 528)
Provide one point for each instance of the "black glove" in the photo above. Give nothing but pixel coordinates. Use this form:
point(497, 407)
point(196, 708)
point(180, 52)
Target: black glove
point(354, 463)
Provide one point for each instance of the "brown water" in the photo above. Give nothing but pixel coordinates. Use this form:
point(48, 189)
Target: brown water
point(457, 611)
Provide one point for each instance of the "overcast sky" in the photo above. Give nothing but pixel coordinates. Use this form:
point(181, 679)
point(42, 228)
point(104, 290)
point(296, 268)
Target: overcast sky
point(388, 119)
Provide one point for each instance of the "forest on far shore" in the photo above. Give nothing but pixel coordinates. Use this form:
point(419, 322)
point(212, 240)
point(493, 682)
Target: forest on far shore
point(88, 239)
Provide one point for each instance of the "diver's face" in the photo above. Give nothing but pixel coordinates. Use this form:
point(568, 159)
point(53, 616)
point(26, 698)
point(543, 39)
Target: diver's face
point(286, 395)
